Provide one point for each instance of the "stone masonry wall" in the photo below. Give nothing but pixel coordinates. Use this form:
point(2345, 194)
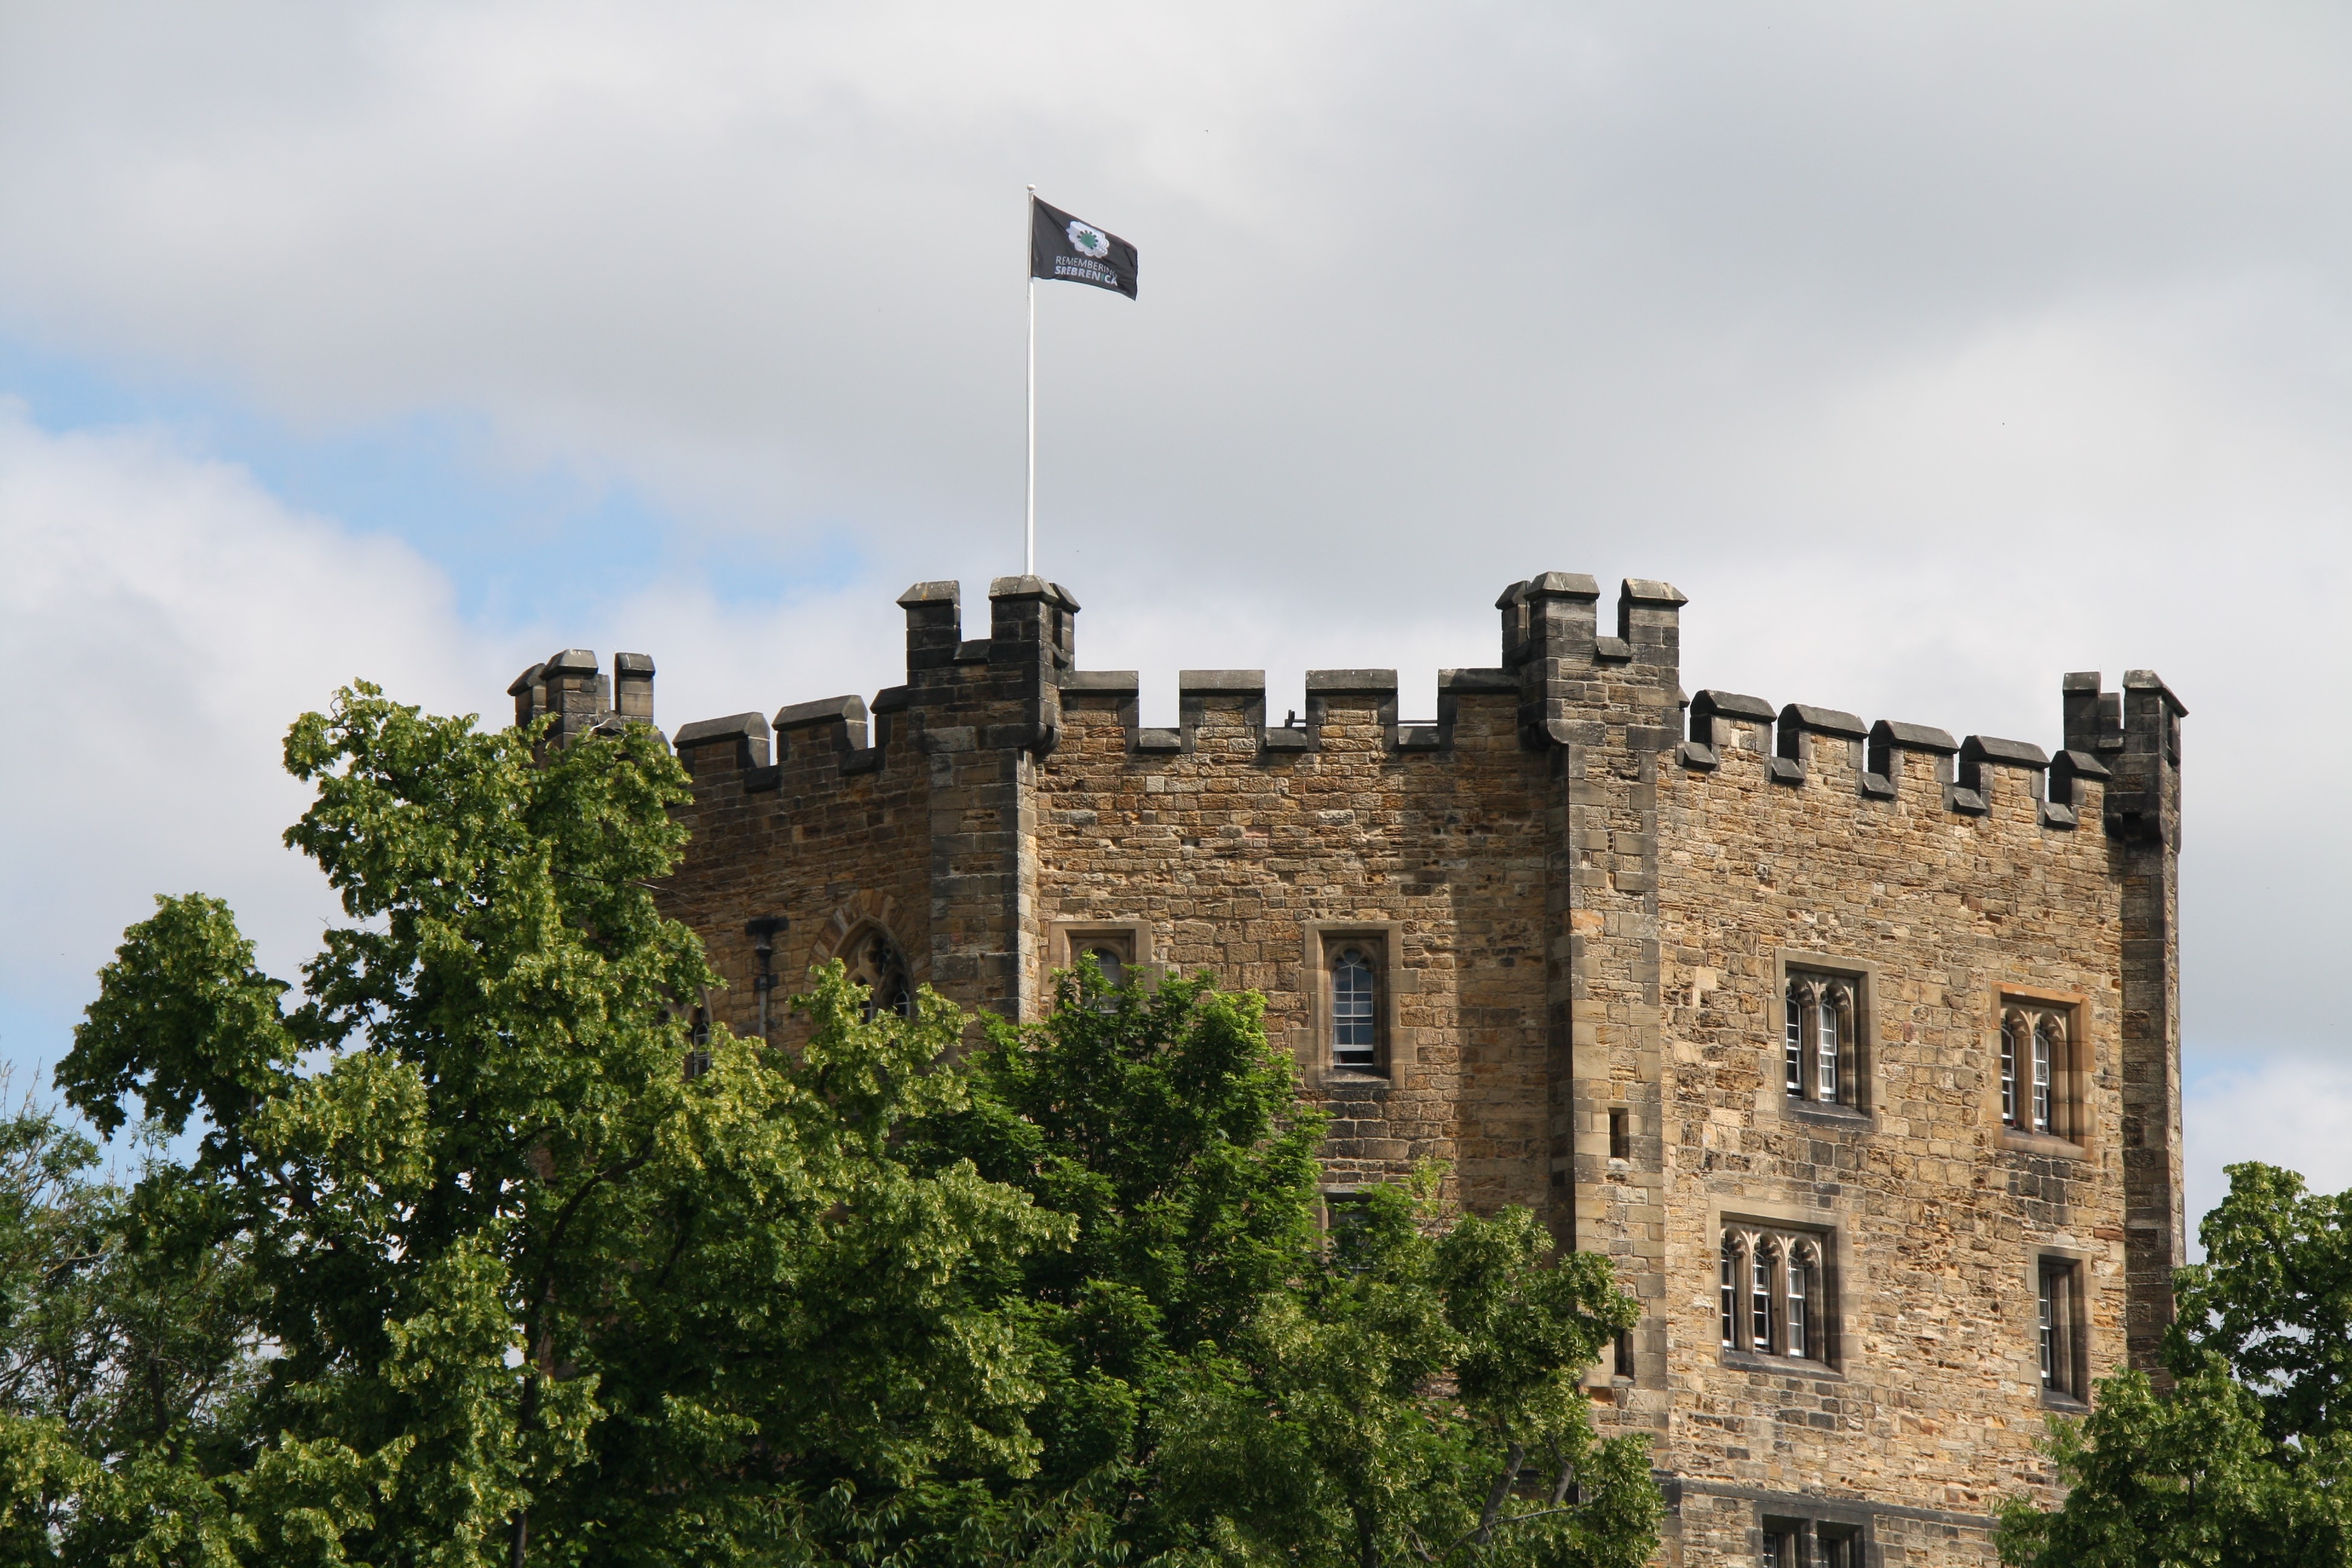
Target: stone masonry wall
point(833, 836)
point(1238, 848)
point(1936, 1211)
point(1585, 921)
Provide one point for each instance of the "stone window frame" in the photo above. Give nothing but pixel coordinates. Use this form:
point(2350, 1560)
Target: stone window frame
point(2074, 1134)
point(1786, 1223)
point(1066, 938)
point(1334, 1198)
point(1393, 1050)
point(1858, 1067)
point(1805, 1526)
point(2073, 1392)
point(1793, 1541)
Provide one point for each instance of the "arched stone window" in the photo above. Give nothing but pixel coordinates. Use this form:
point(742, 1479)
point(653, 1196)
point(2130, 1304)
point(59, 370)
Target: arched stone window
point(1821, 1026)
point(1774, 1294)
point(1803, 1269)
point(875, 961)
point(1730, 1290)
point(1355, 1008)
point(1109, 959)
point(2011, 1042)
point(2034, 1081)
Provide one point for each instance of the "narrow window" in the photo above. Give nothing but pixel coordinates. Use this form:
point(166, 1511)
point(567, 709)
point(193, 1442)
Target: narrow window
point(1760, 1305)
point(1730, 1291)
point(1826, 1020)
point(2041, 1078)
point(1353, 1040)
point(1838, 1552)
point(1109, 960)
point(2055, 1308)
point(698, 1060)
point(1779, 1550)
point(1793, 1037)
point(1799, 1320)
point(2049, 1310)
point(1620, 1135)
point(2045, 1048)
point(1625, 1354)
point(2009, 1070)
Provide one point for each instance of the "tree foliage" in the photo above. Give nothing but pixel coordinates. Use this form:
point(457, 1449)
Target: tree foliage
point(461, 1262)
point(2246, 1458)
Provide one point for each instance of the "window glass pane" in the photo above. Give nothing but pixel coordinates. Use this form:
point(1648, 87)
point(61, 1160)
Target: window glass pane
point(1827, 1046)
point(2048, 1305)
point(1107, 959)
point(2009, 1072)
point(1353, 1039)
point(1760, 1298)
point(1799, 1326)
point(2040, 1078)
point(1730, 1292)
point(1793, 1070)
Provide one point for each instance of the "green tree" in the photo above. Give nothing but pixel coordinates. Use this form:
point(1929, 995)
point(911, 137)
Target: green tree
point(1418, 1403)
point(469, 1258)
point(520, 1290)
point(1226, 1387)
point(2246, 1458)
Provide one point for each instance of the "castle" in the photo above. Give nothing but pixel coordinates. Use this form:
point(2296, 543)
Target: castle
point(1856, 1046)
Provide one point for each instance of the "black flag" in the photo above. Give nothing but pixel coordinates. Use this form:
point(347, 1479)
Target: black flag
point(1075, 251)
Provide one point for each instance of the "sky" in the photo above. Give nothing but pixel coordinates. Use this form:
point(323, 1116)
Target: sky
point(1934, 351)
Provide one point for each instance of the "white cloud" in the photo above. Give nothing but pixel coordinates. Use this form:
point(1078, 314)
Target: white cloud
point(1935, 353)
point(2289, 1111)
point(165, 618)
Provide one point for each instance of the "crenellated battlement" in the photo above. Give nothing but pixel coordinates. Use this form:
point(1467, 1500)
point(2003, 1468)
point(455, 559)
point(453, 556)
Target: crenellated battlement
point(568, 687)
point(1799, 745)
point(1562, 679)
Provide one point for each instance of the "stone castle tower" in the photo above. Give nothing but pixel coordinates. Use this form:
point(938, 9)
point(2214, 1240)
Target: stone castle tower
point(1856, 1047)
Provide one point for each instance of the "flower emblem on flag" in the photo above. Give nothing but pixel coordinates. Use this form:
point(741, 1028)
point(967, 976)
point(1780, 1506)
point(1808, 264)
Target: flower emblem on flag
point(1088, 241)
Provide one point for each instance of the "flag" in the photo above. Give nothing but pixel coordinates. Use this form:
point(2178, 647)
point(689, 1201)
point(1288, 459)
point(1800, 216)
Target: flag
point(1075, 251)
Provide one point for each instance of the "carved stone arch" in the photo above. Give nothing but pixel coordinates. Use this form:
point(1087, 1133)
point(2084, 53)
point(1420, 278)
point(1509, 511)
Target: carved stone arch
point(862, 908)
point(863, 934)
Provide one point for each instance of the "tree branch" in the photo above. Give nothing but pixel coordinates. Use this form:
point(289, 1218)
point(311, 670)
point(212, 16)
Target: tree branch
point(1504, 1481)
point(1465, 1537)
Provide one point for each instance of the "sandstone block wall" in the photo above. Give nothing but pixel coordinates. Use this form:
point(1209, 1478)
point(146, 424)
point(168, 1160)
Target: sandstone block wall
point(1586, 887)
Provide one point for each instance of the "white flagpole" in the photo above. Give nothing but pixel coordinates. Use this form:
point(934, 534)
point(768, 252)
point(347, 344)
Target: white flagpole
point(1029, 533)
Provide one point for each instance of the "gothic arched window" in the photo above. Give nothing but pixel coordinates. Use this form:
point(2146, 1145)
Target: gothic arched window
point(875, 961)
point(2037, 1089)
point(1821, 1031)
point(1730, 1290)
point(1799, 1317)
point(1355, 1016)
point(1759, 1294)
point(1774, 1294)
